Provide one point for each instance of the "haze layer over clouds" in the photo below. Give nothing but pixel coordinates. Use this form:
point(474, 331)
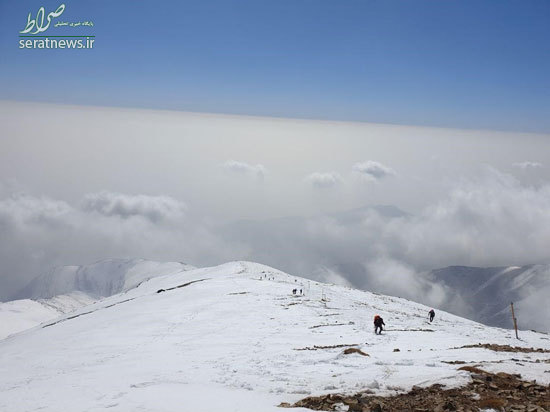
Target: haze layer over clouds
point(81, 184)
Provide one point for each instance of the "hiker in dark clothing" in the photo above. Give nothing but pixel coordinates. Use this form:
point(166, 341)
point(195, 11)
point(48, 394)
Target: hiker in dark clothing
point(431, 313)
point(378, 323)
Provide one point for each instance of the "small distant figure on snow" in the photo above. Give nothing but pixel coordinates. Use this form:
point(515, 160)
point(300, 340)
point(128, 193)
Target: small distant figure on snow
point(300, 291)
point(431, 314)
point(378, 323)
point(293, 291)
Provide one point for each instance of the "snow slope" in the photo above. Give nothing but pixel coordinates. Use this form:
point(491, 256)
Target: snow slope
point(103, 278)
point(19, 315)
point(235, 338)
point(64, 289)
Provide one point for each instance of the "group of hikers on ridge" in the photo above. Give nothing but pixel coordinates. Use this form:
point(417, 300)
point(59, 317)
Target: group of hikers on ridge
point(379, 322)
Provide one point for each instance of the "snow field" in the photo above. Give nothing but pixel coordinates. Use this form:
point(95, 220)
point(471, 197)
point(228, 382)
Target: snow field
point(236, 341)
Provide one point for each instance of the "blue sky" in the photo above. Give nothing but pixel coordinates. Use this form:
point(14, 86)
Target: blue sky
point(464, 64)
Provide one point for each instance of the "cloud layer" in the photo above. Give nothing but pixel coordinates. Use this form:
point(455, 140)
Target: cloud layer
point(491, 219)
point(456, 213)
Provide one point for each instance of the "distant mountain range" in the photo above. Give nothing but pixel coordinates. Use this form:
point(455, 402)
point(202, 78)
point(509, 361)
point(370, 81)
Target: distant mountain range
point(488, 292)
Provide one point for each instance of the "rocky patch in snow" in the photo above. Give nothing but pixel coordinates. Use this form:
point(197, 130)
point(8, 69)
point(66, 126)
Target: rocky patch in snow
point(487, 391)
point(505, 348)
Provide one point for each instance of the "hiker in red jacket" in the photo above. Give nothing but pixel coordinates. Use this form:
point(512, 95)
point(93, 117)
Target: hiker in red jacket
point(378, 323)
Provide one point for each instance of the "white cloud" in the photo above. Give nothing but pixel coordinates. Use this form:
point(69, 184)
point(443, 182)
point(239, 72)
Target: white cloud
point(488, 221)
point(327, 275)
point(527, 165)
point(154, 208)
point(398, 278)
point(324, 179)
point(373, 170)
point(25, 209)
point(235, 166)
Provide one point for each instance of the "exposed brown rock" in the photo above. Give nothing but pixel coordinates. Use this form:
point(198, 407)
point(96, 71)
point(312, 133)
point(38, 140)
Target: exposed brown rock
point(318, 347)
point(501, 391)
point(505, 348)
point(349, 351)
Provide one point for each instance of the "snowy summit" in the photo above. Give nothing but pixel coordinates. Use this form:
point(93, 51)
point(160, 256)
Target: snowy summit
point(246, 337)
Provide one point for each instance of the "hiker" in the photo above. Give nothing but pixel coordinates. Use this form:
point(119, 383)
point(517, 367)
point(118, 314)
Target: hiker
point(378, 323)
point(431, 313)
point(293, 291)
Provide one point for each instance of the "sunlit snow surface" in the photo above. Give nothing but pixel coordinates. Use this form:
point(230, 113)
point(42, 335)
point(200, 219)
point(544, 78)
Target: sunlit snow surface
point(229, 343)
point(18, 315)
point(66, 288)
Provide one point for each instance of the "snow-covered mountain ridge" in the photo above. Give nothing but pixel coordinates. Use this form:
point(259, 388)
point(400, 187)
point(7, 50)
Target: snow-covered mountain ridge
point(100, 279)
point(235, 337)
point(19, 315)
point(64, 289)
